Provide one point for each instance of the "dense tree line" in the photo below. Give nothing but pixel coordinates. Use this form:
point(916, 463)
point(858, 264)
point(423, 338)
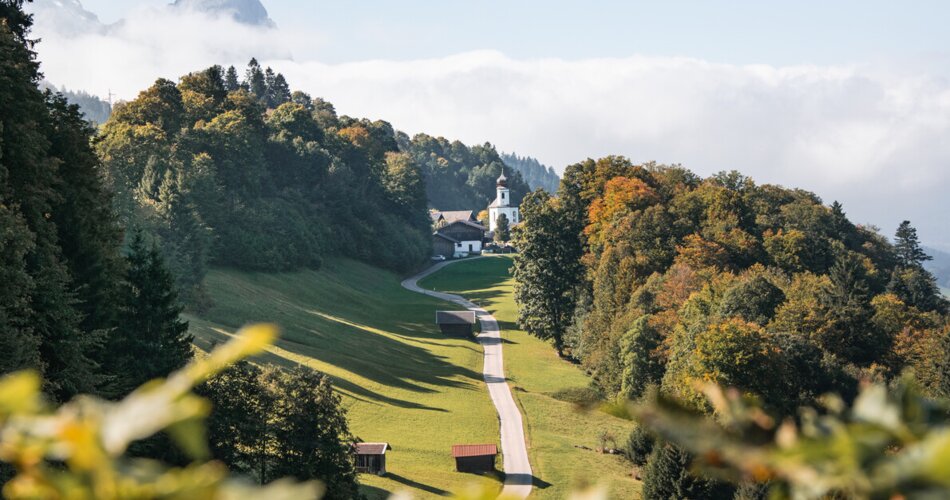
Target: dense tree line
point(459, 177)
point(535, 174)
point(245, 173)
point(95, 310)
point(69, 286)
point(654, 279)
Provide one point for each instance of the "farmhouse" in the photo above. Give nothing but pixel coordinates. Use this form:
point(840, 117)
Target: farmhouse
point(467, 235)
point(371, 458)
point(474, 457)
point(502, 205)
point(455, 323)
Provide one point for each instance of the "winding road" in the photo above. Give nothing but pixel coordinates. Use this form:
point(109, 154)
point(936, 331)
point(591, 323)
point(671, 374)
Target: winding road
point(518, 476)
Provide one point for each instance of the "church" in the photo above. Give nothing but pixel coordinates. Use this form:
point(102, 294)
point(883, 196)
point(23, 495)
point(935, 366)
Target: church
point(502, 205)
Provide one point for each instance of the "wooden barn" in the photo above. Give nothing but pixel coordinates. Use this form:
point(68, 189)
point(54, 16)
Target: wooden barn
point(474, 457)
point(469, 235)
point(371, 458)
point(444, 245)
point(456, 323)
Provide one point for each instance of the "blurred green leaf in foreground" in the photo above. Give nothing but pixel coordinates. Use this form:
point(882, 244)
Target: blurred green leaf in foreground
point(890, 444)
point(77, 451)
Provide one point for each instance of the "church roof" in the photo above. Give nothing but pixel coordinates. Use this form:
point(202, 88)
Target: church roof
point(496, 204)
point(502, 180)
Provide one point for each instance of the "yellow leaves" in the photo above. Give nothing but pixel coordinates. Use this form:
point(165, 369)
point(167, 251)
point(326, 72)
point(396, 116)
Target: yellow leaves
point(20, 393)
point(621, 195)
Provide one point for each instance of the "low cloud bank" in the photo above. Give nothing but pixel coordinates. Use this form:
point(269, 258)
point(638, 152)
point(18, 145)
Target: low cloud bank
point(874, 137)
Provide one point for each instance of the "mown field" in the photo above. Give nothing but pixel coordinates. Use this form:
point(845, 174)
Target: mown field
point(401, 381)
point(557, 431)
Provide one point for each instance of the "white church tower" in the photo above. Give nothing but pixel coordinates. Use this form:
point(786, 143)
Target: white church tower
point(502, 204)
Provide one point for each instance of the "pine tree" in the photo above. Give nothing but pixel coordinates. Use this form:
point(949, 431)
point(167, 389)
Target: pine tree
point(19, 345)
point(270, 83)
point(279, 91)
point(231, 82)
point(151, 341)
point(29, 179)
point(909, 253)
point(254, 79)
point(87, 229)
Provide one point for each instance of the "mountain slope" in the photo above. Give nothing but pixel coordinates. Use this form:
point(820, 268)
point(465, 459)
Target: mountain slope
point(244, 11)
point(63, 17)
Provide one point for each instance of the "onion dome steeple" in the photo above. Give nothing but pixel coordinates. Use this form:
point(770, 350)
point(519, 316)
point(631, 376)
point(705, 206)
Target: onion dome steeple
point(502, 180)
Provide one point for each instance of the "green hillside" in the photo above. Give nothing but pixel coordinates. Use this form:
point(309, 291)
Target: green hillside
point(555, 428)
point(402, 381)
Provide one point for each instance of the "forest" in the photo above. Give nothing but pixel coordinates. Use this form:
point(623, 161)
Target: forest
point(669, 280)
point(535, 174)
point(89, 305)
point(459, 177)
point(244, 173)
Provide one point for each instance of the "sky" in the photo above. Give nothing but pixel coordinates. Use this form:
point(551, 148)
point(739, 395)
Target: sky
point(849, 100)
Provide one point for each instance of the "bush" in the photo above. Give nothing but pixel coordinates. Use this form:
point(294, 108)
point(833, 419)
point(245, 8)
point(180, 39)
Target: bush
point(667, 476)
point(639, 445)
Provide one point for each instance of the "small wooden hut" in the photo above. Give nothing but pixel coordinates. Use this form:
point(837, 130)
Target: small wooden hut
point(476, 458)
point(371, 458)
point(455, 323)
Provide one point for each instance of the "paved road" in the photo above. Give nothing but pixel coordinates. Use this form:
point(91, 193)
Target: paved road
point(518, 477)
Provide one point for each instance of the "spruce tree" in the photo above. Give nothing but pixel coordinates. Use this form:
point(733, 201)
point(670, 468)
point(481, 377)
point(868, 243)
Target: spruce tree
point(254, 79)
point(151, 340)
point(231, 82)
point(19, 345)
point(279, 91)
point(269, 82)
point(29, 180)
point(909, 253)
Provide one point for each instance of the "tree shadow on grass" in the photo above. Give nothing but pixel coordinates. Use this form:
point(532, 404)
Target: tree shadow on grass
point(520, 479)
point(417, 485)
point(374, 493)
point(212, 336)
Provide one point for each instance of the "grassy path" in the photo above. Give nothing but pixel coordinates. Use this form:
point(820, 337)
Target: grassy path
point(556, 430)
point(401, 381)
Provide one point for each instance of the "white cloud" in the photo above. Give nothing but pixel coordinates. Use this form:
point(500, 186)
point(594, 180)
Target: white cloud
point(875, 137)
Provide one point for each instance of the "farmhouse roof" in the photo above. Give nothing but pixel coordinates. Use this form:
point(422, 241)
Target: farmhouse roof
point(372, 448)
point(455, 317)
point(455, 215)
point(470, 224)
point(473, 450)
point(444, 237)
